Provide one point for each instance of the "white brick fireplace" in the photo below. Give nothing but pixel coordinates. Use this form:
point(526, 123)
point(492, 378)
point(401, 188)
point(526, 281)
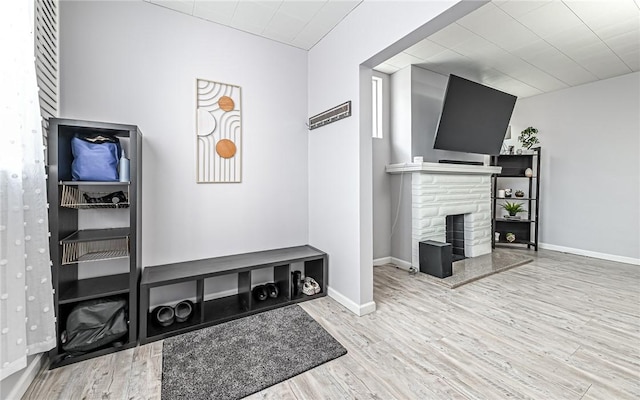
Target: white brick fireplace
point(439, 190)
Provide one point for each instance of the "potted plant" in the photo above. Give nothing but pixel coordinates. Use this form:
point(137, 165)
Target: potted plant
point(513, 208)
point(528, 137)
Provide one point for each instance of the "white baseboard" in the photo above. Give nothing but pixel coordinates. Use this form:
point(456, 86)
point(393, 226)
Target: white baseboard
point(593, 254)
point(381, 261)
point(27, 375)
point(401, 263)
point(359, 310)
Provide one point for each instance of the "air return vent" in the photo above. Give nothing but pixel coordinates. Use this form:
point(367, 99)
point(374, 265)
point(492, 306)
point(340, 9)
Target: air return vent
point(332, 115)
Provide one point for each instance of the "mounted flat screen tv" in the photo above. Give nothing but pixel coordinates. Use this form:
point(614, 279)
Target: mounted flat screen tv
point(474, 118)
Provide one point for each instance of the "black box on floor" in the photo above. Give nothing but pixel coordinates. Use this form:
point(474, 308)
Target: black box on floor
point(435, 258)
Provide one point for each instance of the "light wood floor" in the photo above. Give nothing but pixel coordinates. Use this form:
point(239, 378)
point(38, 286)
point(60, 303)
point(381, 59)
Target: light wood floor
point(561, 327)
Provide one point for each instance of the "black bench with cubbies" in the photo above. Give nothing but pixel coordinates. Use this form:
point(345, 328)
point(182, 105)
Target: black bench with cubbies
point(248, 269)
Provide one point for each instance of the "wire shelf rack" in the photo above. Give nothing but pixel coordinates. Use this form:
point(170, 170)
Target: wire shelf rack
point(74, 252)
point(73, 197)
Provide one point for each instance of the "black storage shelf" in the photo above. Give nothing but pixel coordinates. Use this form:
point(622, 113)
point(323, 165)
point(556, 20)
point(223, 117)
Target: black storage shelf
point(190, 270)
point(94, 235)
point(514, 198)
point(93, 288)
point(93, 183)
point(242, 304)
point(62, 360)
point(513, 220)
point(527, 242)
point(71, 246)
point(525, 229)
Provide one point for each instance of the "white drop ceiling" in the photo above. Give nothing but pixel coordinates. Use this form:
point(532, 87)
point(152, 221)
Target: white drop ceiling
point(297, 23)
point(522, 47)
point(532, 47)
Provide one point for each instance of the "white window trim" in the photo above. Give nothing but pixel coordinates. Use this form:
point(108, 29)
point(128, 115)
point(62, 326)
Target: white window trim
point(376, 104)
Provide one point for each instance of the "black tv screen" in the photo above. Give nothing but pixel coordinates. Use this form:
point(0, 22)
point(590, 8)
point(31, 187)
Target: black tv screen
point(474, 117)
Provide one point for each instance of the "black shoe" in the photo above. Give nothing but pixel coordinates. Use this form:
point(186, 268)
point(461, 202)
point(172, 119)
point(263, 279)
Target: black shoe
point(164, 315)
point(183, 310)
point(272, 290)
point(260, 293)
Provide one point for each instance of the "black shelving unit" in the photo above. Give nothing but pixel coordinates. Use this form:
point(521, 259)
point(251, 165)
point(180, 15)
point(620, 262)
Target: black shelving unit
point(73, 248)
point(240, 267)
point(525, 229)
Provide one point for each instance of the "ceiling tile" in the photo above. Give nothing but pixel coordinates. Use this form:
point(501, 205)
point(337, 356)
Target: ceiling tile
point(425, 49)
point(402, 60)
point(253, 16)
point(450, 36)
point(550, 19)
point(575, 37)
point(631, 59)
point(386, 68)
point(302, 10)
point(605, 65)
point(310, 34)
point(283, 27)
point(561, 67)
point(517, 8)
point(604, 16)
point(216, 11)
point(491, 22)
point(183, 6)
point(614, 29)
point(333, 12)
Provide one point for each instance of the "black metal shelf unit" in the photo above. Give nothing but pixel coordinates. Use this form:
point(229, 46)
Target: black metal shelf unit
point(526, 229)
point(72, 247)
point(240, 267)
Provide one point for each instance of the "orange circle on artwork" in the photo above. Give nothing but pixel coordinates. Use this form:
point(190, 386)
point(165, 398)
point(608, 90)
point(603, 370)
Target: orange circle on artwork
point(226, 103)
point(226, 148)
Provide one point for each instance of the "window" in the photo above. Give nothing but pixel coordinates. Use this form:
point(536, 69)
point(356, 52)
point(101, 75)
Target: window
point(376, 96)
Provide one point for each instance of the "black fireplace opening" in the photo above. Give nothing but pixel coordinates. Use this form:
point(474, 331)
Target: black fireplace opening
point(455, 236)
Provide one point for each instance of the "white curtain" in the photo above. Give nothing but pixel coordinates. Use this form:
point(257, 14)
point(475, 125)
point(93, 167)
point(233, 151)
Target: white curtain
point(27, 324)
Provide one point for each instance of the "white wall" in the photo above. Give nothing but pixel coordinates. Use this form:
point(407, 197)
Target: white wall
point(340, 162)
point(381, 148)
point(590, 171)
point(137, 63)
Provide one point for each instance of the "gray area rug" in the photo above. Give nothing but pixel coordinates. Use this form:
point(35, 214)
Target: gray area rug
point(241, 357)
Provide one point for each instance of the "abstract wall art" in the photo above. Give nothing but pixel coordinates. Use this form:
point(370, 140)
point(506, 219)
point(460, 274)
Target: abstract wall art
point(218, 132)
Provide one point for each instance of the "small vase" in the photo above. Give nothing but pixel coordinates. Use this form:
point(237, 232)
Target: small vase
point(528, 172)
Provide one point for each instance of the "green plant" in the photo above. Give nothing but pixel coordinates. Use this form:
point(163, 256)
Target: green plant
point(513, 208)
point(528, 137)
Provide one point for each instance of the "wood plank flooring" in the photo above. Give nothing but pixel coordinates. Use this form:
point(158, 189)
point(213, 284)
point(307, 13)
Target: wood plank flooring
point(561, 327)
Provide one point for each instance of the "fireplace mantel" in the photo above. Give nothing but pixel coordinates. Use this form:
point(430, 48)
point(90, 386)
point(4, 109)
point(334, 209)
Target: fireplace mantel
point(442, 168)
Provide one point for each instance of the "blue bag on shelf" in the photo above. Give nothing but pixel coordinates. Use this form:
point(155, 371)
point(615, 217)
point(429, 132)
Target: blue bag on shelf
point(95, 157)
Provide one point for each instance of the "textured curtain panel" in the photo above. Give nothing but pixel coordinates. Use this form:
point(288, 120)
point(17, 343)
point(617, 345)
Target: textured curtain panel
point(26, 303)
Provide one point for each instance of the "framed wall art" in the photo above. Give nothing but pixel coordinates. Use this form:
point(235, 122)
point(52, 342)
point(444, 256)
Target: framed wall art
point(218, 132)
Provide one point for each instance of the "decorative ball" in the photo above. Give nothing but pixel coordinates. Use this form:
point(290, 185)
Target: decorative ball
point(528, 172)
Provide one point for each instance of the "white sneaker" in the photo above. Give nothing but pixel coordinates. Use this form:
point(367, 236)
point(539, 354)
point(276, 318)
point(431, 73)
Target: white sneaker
point(310, 287)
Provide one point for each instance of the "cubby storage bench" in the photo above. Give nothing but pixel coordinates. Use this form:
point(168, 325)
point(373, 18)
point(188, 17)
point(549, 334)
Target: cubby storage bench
point(248, 269)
